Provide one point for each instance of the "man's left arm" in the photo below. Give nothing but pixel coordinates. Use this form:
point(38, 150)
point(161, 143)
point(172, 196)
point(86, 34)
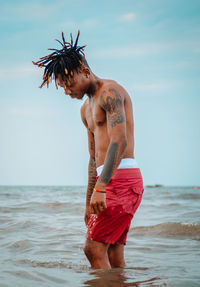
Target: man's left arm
point(113, 104)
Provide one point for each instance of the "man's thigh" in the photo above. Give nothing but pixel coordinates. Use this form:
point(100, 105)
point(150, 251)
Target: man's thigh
point(116, 255)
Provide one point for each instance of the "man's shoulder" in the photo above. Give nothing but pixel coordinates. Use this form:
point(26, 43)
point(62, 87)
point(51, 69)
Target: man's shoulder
point(112, 88)
point(109, 84)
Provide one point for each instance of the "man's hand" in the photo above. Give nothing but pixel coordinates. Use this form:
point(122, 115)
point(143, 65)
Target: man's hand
point(87, 215)
point(97, 202)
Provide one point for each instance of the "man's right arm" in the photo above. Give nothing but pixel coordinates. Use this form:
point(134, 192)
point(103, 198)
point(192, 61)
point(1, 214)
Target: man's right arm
point(91, 166)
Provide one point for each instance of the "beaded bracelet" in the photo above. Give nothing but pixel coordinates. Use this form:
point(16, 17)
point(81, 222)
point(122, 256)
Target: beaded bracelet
point(97, 190)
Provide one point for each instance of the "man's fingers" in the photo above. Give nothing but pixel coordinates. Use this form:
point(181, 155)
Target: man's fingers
point(104, 204)
point(91, 209)
point(101, 206)
point(98, 207)
point(86, 220)
point(94, 209)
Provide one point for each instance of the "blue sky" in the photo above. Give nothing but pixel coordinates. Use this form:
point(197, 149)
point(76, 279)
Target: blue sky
point(150, 47)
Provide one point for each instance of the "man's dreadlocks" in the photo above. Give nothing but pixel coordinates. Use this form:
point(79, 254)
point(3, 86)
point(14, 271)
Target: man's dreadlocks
point(63, 61)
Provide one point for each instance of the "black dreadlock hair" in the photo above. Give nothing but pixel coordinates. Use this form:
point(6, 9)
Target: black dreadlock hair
point(62, 61)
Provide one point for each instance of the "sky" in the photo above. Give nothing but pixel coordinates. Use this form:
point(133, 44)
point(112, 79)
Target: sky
point(150, 47)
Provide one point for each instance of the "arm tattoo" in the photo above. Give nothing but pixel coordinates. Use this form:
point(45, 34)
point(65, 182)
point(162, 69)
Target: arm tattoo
point(91, 145)
point(114, 106)
point(91, 179)
point(109, 163)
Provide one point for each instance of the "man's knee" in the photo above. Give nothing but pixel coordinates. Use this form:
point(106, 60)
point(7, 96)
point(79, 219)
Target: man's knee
point(116, 261)
point(88, 251)
point(93, 251)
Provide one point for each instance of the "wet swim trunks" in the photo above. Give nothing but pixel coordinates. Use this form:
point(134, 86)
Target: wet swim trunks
point(123, 197)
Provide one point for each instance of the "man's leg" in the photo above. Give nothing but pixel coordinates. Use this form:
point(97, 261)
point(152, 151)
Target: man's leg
point(96, 253)
point(116, 255)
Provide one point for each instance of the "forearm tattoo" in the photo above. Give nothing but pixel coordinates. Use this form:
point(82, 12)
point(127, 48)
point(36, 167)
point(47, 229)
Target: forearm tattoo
point(92, 145)
point(110, 163)
point(91, 179)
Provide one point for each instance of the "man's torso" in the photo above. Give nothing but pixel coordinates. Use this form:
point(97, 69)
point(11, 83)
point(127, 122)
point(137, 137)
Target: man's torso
point(95, 119)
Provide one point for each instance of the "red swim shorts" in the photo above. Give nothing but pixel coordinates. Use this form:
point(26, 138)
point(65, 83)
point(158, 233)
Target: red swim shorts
point(123, 197)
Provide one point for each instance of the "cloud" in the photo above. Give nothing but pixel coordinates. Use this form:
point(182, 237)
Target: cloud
point(157, 88)
point(131, 51)
point(31, 111)
point(20, 71)
point(196, 50)
point(150, 87)
point(123, 52)
point(127, 17)
point(25, 111)
point(27, 11)
point(89, 23)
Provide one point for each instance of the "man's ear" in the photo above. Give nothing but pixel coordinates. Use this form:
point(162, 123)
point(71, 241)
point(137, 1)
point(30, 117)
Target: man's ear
point(86, 72)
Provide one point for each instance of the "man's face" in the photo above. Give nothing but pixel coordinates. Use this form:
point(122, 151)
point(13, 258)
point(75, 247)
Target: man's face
point(75, 86)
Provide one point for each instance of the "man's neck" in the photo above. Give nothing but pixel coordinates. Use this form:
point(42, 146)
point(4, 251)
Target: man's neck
point(95, 84)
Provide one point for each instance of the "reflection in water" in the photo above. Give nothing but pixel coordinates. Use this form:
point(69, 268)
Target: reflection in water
point(118, 277)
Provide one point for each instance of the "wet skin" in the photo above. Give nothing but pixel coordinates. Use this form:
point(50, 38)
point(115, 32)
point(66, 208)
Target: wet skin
point(108, 117)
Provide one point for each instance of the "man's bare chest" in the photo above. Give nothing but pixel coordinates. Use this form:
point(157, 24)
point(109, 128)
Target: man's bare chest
point(95, 116)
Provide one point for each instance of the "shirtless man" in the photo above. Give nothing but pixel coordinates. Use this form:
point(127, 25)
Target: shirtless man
point(115, 185)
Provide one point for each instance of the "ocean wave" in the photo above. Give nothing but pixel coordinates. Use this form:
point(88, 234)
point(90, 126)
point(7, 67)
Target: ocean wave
point(21, 245)
point(54, 264)
point(41, 206)
point(169, 229)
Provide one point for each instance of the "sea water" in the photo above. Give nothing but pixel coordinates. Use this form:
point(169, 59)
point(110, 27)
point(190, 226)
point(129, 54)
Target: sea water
point(42, 233)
